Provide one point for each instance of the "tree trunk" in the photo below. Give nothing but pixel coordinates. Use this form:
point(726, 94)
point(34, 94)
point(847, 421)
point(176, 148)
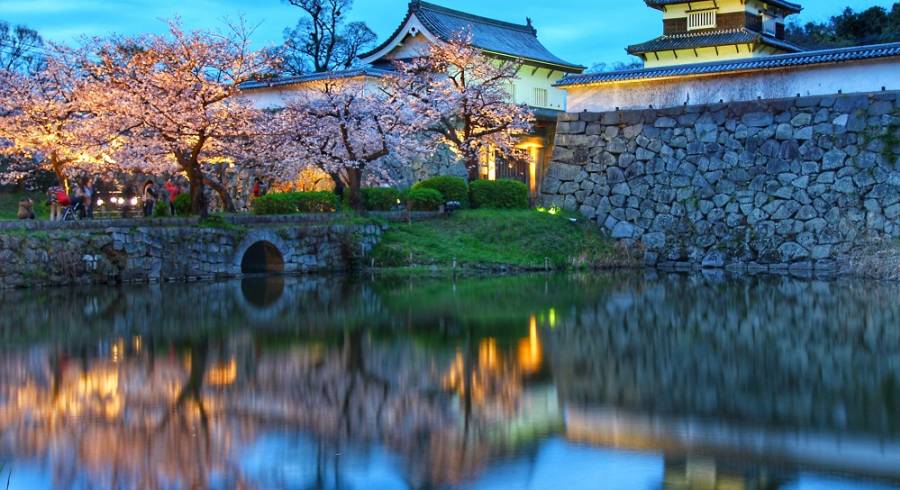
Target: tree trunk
point(198, 199)
point(354, 182)
point(472, 170)
point(338, 184)
point(220, 189)
point(58, 170)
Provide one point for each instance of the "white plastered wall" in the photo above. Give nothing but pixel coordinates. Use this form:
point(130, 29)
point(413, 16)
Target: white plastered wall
point(847, 77)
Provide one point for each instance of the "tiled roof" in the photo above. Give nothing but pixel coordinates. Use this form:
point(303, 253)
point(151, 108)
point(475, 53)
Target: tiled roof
point(789, 6)
point(773, 62)
point(332, 75)
point(703, 39)
point(504, 38)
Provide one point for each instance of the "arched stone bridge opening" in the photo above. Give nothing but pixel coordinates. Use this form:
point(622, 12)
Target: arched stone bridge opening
point(262, 251)
point(262, 258)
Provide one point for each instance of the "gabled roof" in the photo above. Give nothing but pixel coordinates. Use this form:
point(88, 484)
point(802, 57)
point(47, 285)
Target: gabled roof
point(703, 39)
point(789, 6)
point(312, 77)
point(490, 35)
point(773, 62)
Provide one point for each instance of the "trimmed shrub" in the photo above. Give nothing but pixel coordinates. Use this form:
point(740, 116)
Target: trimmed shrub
point(499, 194)
point(380, 198)
point(296, 202)
point(161, 210)
point(316, 202)
point(274, 203)
point(423, 199)
point(452, 188)
point(183, 204)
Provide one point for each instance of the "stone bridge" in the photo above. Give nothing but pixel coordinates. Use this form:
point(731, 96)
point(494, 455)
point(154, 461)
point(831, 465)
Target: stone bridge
point(142, 251)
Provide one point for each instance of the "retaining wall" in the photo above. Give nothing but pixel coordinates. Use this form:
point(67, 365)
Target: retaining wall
point(796, 182)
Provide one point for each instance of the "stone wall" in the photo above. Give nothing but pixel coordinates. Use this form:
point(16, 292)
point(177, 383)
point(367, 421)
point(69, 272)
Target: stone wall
point(797, 182)
point(141, 251)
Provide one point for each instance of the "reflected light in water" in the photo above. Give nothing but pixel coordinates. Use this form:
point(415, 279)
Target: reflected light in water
point(222, 374)
point(530, 355)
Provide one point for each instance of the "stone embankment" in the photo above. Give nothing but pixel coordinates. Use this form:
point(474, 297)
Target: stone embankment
point(794, 184)
point(141, 251)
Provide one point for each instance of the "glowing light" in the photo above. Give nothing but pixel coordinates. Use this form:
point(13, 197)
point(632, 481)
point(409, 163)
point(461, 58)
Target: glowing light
point(118, 349)
point(530, 354)
point(134, 201)
point(100, 202)
point(551, 318)
point(487, 353)
point(222, 374)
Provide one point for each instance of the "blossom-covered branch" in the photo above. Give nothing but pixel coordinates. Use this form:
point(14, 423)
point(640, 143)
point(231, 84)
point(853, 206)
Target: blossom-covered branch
point(466, 95)
point(44, 123)
point(172, 100)
point(346, 127)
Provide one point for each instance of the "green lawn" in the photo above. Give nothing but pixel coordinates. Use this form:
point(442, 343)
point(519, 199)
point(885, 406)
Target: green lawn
point(9, 204)
point(520, 239)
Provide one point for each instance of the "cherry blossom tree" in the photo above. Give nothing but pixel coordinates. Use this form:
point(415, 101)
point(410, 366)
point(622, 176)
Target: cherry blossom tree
point(43, 124)
point(348, 127)
point(466, 95)
point(172, 100)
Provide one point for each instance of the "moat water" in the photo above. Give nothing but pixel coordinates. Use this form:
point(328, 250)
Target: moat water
point(600, 381)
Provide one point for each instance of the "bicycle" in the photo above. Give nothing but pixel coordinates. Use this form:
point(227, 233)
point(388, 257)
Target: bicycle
point(72, 212)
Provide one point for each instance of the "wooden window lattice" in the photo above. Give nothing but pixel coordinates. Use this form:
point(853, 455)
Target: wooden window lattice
point(703, 19)
point(540, 97)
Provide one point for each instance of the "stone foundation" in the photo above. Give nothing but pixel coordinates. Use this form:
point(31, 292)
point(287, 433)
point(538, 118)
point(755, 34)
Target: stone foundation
point(792, 183)
point(141, 251)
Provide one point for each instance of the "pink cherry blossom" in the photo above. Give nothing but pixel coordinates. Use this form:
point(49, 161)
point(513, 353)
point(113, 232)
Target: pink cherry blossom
point(466, 95)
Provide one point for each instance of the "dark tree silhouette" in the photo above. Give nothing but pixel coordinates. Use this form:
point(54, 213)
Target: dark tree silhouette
point(20, 48)
point(322, 40)
point(849, 28)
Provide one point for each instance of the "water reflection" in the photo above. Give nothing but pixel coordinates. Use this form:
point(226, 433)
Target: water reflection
point(602, 381)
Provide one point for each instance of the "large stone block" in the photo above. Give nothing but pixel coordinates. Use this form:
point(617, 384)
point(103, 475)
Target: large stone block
point(758, 119)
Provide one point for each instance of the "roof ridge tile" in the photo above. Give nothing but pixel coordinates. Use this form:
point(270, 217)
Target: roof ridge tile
point(832, 55)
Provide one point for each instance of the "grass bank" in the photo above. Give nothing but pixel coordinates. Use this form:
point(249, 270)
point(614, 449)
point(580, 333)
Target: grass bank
point(9, 204)
point(491, 239)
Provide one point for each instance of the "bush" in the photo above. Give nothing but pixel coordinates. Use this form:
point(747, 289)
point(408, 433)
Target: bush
point(499, 194)
point(161, 210)
point(452, 188)
point(380, 199)
point(316, 202)
point(183, 204)
point(423, 199)
point(296, 202)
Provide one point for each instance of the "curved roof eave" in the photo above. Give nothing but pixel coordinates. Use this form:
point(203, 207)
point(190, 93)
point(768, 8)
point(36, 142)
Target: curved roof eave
point(773, 62)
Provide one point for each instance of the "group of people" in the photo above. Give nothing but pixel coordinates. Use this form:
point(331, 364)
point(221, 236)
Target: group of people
point(152, 196)
point(80, 202)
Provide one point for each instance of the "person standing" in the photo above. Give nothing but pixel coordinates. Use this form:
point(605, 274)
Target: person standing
point(173, 192)
point(88, 198)
point(54, 199)
point(149, 198)
point(26, 209)
point(78, 199)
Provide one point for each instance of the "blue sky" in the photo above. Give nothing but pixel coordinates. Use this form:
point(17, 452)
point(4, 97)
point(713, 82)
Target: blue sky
point(580, 31)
